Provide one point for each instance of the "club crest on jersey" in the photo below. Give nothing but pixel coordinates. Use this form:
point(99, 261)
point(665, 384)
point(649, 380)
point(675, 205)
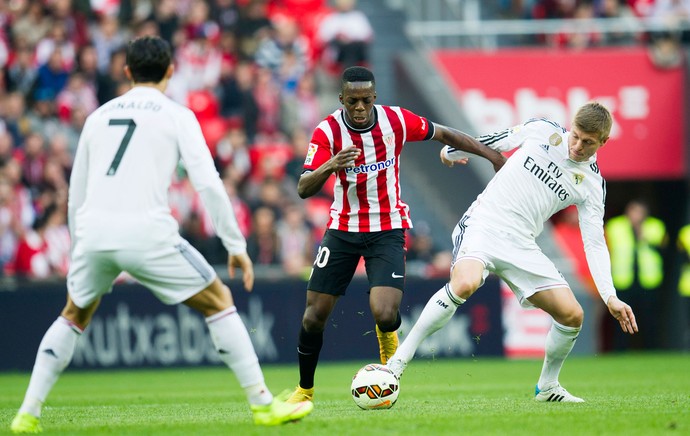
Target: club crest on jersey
point(555, 139)
point(311, 152)
point(578, 178)
point(389, 140)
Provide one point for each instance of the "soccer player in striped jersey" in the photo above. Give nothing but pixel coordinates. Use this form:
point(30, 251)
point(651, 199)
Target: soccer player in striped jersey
point(120, 221)
point(360, 144)
point(552, 170)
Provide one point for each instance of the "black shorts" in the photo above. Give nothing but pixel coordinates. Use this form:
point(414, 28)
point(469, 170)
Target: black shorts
point(339, 255)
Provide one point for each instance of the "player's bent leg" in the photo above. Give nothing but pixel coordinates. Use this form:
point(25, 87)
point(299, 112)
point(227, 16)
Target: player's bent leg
point(54, 355)
point(384, 302)
point(567, 315)
point(215, 298)
point(466, 276)
point(318, 309)
point(231, 340)
point(561, 304)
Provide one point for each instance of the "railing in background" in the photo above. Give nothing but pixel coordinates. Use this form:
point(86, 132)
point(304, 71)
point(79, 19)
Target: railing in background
point(470, 23)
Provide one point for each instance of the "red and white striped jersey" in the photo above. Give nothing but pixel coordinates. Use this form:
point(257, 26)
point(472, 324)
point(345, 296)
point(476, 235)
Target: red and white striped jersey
point(367, 197)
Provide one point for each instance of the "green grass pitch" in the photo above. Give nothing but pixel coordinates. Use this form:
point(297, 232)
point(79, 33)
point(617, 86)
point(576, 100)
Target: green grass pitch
point(632, 394)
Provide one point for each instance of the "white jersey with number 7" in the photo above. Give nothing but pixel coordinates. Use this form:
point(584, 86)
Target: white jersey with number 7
point(127, 153)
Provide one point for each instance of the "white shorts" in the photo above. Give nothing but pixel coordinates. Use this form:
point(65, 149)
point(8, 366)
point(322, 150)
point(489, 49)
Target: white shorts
point(173, 273)
point(522, 265)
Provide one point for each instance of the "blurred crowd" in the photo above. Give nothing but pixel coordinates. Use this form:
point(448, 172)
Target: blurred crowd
point(670, 18)
point(259, 75)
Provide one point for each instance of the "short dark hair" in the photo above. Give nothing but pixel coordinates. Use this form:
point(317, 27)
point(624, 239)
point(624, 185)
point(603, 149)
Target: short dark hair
point(148, 58)
point(357, 74)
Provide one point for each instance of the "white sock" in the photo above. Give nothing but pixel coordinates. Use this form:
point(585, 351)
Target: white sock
point(559, 343)
point(235, 348)
point(54, 354)
point(437, 312)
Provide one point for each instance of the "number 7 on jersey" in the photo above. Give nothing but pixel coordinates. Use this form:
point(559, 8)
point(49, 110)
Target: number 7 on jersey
point(131, 125)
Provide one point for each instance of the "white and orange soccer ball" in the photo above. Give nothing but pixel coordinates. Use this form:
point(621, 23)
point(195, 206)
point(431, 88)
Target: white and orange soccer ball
point(375, 387)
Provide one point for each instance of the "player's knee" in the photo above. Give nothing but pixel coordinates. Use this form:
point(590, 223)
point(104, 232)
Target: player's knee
point(313, 321)
point(573, 317)
point(386, 318)
point(464, 287)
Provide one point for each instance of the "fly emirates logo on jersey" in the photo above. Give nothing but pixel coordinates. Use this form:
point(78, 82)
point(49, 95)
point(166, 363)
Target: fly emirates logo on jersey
point(548, 176)
point(629, 103)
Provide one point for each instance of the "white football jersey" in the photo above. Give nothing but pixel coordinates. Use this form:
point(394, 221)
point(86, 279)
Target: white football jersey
point(537, 181)
point(127, 153)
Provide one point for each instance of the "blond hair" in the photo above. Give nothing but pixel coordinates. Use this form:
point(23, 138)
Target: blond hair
point(594, 118)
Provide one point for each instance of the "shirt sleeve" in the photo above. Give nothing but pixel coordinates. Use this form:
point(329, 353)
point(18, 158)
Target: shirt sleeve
point(319, 151)
point(591, 216)
point(204, 177)
point(77, 182)
point(418, 128)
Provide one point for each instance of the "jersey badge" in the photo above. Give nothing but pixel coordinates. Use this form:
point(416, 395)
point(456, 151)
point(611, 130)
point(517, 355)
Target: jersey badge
point(555, 139)
point(311, 152)
point(389, 140)
point(578, 178)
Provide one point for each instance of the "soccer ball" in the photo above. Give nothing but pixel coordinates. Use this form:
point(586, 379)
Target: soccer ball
point(375, 387)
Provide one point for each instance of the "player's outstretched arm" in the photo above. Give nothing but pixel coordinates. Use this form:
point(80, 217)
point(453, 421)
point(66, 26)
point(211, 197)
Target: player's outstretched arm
point(311, 183)
point(466, 143)
point(623, 313)
point(243, 262)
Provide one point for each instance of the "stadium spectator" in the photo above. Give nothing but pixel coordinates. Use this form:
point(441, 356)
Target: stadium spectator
point(683, 244)
point(238, 100)
point(226, 13)
point(33, 160)
point(262, 244)
point(345, 35)
point(164, 15)
point(616, 9)
point(637, 243)
point(56, 41)
point(113, 80)
point(32, 25)
point(17, 201)
point(43, 251)
point(253, 26)
point(267, 97)
point(107, 37)
point(22, 73)
point(497, 234)
point(77, 94)
point(284, 53)
point(138, 243)
point(42, 117)
point(72, 18)
point(197, 63)
point(574, 37)
point(52, 77)
point(12, 226)
point(14, 116)
point(301, 109)
point(360, 145)
point(295, 242)
point(420, 245)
